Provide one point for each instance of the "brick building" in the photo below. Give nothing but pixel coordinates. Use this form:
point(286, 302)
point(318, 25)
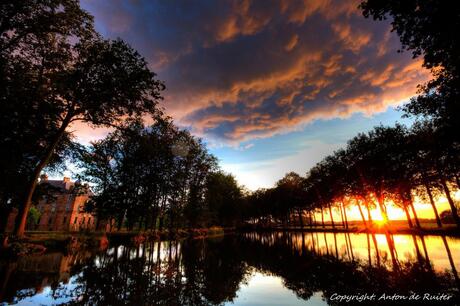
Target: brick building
point(63, 208)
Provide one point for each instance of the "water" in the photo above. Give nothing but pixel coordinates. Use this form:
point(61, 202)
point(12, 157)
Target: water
point(250, 269)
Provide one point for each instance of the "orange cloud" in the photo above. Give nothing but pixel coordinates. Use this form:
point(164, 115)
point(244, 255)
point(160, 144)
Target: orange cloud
point(245, 69)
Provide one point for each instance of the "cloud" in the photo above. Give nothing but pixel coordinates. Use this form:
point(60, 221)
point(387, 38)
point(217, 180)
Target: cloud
point(238, 70)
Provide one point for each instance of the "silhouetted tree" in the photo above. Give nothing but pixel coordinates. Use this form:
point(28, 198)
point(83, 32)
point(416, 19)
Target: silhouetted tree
point(223, 199)
point(78, 76)
point(149, 175)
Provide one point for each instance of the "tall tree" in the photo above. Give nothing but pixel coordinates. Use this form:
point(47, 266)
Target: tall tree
point(79, 76)
point(223, 199)
point(149, 175)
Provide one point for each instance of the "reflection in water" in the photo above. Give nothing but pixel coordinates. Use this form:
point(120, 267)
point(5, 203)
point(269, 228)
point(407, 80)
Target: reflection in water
point(297, 268)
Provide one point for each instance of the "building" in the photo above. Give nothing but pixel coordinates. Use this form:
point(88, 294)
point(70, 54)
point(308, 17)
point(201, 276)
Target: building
point(63, 208)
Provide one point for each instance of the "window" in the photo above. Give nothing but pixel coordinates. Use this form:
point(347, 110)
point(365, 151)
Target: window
point(50, 220)
point(68, 205)
point(64, 219)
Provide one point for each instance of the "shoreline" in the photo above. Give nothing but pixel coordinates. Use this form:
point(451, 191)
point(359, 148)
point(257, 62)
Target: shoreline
point(39, 242)
point(451, 231)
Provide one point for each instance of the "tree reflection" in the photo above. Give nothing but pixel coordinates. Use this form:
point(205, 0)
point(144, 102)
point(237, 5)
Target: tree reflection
point(211, 271)
point(308, 272)
point(194, 272)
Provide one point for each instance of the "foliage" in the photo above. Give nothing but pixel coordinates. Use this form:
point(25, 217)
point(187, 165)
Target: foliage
point(223, 198)
point(149, 175)
point(387, 163)
point(52, 57)
point(33, 217)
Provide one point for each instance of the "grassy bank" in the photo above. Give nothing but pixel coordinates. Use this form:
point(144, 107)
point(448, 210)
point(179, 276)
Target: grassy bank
point(38, 242)
point(167, 234)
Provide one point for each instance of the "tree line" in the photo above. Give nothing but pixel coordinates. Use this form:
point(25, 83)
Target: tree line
point(156, 177)
point(57, 71)
point(386, 164)
point(396, 162)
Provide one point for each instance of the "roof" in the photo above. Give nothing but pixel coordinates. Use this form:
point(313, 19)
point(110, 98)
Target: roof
point(67, 186)
point(60, 184)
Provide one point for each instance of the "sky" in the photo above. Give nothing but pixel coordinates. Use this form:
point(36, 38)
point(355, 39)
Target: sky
point(271, 86)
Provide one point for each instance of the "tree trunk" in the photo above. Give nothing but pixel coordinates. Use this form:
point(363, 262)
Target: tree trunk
point(345, 215)
point(322, 218)
point(303, 244)
point(121, 218)
point(427, 258)
point(417, 222)
point(21, 219)
point(369, 257)
point(351, 246)
point(154, 216)
point(361, 213)
point(300, 218)
point(171, 222)
point(325, 242)
point(369, 216)
point(376, 246)
point(391, 248)
point(341, 216)
point(146, 222)
point(433, 205)
point(330, 214)
point(381, 202)
point(160, 225)
point(451, 261)
point(347, 247)
point(407, 216)
point(451, 202)
point(417, 250)
point(336, 247)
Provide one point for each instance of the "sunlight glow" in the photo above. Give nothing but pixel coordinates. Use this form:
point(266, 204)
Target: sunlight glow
point(380, 222)
point(395, 213)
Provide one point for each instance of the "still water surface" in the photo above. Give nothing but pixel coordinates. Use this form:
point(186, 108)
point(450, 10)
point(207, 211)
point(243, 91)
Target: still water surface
point(250, 269)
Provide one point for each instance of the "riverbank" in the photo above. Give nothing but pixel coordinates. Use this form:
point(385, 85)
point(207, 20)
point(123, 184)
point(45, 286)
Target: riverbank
point(39, 242)
point(451, 230)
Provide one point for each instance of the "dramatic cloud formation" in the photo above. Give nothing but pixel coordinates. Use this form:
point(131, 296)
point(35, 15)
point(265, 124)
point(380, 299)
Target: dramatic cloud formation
point(238, 70)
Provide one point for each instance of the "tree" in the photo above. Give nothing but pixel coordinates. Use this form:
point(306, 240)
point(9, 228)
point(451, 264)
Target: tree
point(149, 175)
point(28, 59)
point(81, 77)
point(33, 217)
point(223, 198)
point(429, 29)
